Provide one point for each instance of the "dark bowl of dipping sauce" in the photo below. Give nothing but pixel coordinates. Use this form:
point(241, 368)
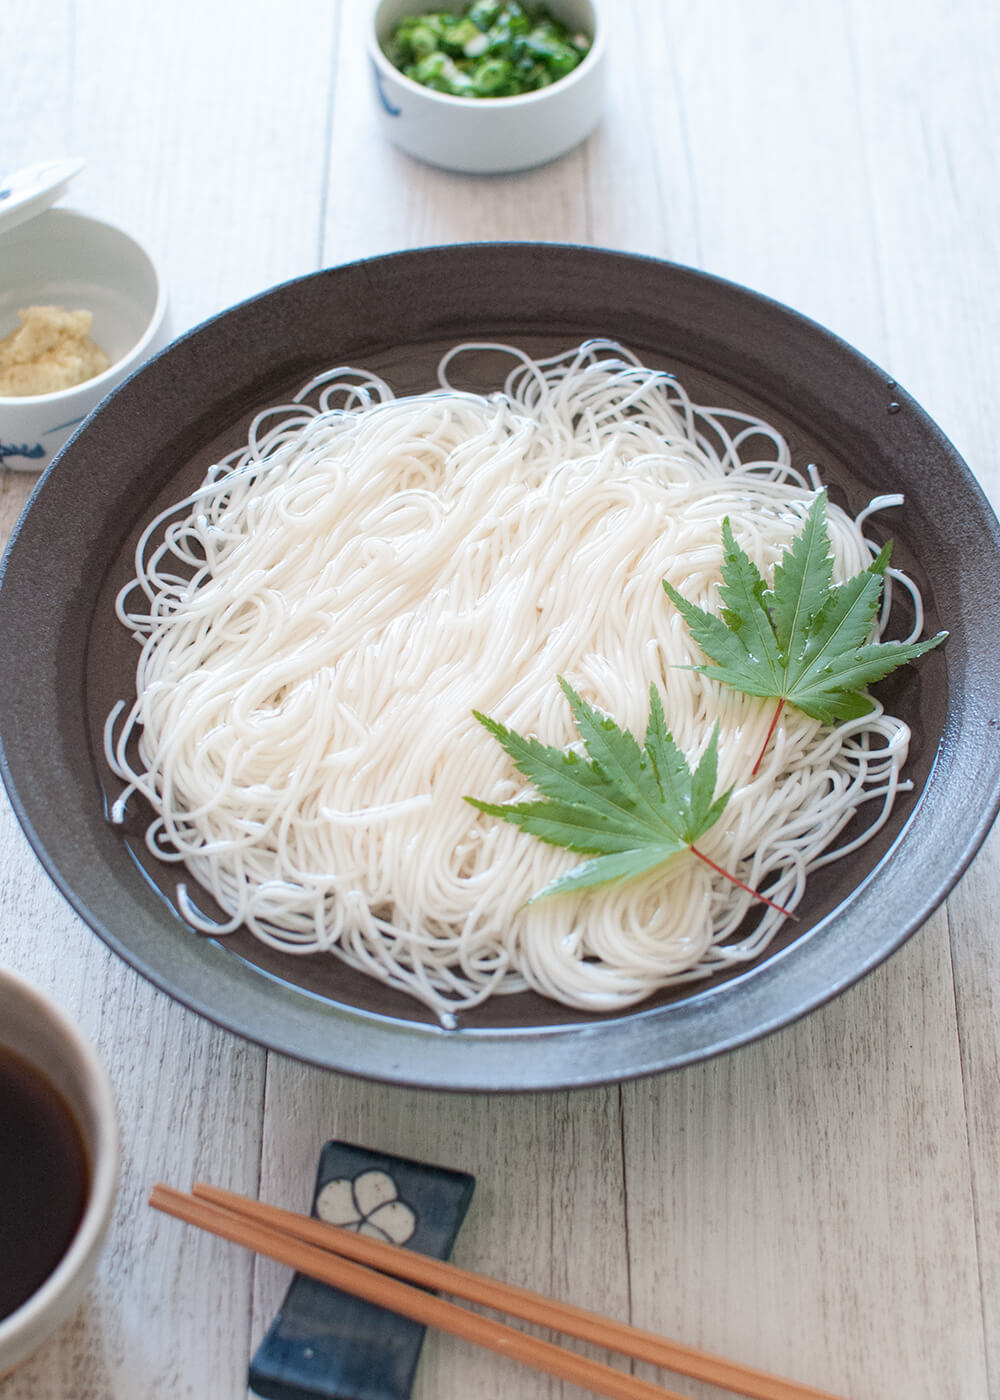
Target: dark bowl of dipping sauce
point(58, 1167)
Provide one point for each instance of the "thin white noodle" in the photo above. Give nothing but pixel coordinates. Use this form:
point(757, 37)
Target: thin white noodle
point(320, 618)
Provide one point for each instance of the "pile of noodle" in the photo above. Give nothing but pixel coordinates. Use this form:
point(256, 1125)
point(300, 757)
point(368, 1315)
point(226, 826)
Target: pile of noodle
point(319, 620)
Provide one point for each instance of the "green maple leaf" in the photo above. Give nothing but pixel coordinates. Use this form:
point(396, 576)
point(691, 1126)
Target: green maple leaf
point(630, 806)
point(804, 640)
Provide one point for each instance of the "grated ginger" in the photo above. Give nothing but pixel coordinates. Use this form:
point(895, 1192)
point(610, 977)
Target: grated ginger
point(49, 351)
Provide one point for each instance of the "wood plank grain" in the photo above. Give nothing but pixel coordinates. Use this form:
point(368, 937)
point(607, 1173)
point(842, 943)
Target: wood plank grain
point(548, 1207)
point(803, 1204)
point(977, 975)
point(743, 125)
point(928, 103)
point(936, 190)
point(206, 139)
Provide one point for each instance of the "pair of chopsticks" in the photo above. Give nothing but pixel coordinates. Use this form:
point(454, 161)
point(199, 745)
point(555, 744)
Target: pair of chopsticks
point(382, 1273)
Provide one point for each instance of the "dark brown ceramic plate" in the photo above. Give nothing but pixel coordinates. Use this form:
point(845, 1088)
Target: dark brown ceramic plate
point(66, 660)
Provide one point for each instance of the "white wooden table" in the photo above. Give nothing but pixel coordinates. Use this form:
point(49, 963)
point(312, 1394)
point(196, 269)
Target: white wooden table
point(825, 1204)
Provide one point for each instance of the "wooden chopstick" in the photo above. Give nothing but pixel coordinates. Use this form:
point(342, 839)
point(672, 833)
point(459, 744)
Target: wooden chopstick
point(519, 1302)
point(401, 1298)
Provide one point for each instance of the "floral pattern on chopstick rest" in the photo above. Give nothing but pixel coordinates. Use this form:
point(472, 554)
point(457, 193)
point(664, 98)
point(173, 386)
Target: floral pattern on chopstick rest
point(327, 1345)
point(368, 1205)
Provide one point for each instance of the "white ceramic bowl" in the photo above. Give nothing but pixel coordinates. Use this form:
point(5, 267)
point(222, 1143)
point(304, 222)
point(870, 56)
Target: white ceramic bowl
point(488, 135)
point(63, 258)
point(35, 1029)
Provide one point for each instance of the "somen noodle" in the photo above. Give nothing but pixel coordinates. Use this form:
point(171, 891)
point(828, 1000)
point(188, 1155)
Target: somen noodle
point(320, 618)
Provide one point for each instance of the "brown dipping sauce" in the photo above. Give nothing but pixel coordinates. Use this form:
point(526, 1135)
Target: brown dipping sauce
point(44, 1179)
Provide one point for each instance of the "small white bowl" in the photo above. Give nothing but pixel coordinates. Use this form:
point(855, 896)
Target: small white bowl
point(488, 135)
point(35, 1029)
point(63, 258)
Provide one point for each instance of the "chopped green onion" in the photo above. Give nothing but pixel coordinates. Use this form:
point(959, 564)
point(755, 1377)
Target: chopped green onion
point(495, 48)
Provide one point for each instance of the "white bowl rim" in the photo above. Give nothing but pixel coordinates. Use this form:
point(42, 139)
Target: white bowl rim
point(104, 1164)
point(113, 374)
point(521, 99)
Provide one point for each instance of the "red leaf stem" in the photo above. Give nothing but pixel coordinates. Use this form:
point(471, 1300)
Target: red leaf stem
point(756, 893)
point(770, 732)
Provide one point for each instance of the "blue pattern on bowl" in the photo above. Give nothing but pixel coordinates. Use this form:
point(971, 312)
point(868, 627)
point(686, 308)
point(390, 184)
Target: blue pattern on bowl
point(379, 88)
point(14, 449)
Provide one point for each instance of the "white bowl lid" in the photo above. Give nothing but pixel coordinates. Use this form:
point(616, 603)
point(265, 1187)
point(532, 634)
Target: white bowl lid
point(30, 191)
